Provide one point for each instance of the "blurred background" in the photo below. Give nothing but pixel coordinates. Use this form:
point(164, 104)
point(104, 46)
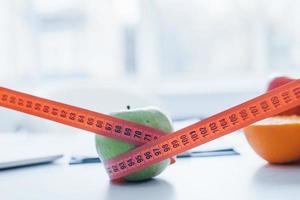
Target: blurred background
point(192, 58)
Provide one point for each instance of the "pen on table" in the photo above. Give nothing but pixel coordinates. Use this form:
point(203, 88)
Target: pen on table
point(211, 153)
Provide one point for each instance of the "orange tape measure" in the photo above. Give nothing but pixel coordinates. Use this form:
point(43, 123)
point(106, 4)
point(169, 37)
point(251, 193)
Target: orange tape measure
point(154, 148)
point(78, 117)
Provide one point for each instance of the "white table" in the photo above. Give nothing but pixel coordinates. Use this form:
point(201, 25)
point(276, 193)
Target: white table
point(229, 177)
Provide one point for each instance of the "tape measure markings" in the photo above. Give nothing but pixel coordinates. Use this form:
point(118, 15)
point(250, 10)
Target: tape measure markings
point(80, 118)
point(267, 105)
point(156, 145)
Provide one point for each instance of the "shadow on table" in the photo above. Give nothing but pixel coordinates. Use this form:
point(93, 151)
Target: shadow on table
point(278, 175)
point(152, 189)
point(275, 182)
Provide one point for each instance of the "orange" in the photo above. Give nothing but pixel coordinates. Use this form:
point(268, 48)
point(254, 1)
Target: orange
point(276, 139)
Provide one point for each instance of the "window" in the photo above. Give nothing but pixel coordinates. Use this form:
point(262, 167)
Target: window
point(161, 44)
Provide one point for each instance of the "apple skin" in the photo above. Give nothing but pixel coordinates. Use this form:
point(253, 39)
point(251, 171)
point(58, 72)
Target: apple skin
point(277, 82)
point(108, 148)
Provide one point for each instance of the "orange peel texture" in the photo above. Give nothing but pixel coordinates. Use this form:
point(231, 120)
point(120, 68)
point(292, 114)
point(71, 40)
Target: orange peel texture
point(276, 139)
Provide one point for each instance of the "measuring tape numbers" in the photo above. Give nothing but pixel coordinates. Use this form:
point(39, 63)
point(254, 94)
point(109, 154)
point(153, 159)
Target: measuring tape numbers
point(261, 107)
point(154, 145)
point(79, 118)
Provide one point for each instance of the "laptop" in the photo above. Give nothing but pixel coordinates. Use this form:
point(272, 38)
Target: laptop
point(28, 161)
point(16, 152)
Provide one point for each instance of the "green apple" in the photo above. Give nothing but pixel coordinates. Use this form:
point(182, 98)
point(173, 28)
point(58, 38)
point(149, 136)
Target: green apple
point(108, 148)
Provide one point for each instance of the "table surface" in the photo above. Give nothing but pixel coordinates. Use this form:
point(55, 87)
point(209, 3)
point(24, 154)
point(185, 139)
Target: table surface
point(229, 177)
